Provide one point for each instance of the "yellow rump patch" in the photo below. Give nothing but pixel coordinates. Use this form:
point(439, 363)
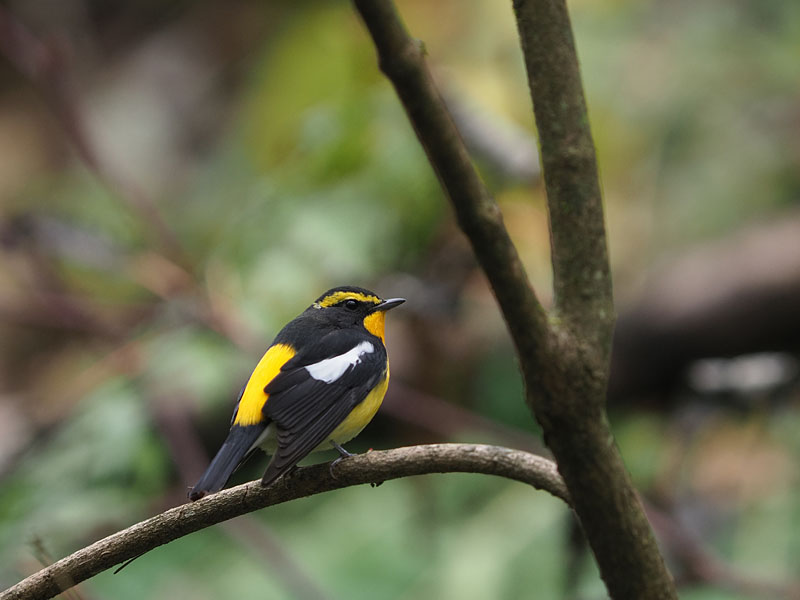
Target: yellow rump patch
point(337, 297)
point(254, 398)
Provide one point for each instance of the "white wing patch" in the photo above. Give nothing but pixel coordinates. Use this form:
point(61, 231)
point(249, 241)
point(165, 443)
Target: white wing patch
point(331, 369)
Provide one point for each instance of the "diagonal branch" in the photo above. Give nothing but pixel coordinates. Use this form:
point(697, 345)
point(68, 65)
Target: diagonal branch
point(402, 60)
point(372, 467)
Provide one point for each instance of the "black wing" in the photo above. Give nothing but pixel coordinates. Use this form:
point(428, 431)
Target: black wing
point(306, 410)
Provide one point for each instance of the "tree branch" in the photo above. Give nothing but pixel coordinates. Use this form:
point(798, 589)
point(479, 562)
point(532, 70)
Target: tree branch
point(371, 467)
point(565, 365)
point(571, 409)
point(581, 273)
point(402, 60)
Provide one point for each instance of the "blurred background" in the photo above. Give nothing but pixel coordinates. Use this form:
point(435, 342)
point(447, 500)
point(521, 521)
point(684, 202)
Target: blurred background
point(179, 180)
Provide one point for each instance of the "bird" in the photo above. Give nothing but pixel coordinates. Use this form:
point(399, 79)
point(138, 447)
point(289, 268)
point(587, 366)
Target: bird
point(319, 383)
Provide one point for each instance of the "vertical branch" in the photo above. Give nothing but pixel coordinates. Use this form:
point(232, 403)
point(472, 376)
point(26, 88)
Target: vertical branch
point(581, 274)
point(573, 418)
point(565, 364)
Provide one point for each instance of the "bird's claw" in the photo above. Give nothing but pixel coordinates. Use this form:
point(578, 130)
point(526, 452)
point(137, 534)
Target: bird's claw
point(342, 455)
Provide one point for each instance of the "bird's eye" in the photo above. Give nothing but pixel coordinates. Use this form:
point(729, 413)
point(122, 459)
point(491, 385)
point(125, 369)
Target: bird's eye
point(351, 304)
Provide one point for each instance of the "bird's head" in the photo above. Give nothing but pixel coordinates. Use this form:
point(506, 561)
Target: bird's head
point(350, 305)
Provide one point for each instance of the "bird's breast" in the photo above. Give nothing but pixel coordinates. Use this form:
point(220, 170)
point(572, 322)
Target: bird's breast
point(359, 416)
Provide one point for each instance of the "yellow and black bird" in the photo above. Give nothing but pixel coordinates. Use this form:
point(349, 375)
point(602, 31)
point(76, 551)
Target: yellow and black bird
point(317, 386)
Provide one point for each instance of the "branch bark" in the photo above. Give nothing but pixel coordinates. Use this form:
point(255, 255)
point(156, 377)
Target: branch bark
point(372, 467)
point(581, 273)
point(564, 360)
point(402, 59)
point(571, 405)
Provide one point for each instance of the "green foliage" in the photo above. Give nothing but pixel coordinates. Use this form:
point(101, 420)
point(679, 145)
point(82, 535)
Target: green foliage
point(688, 110)
point(401, 539)
point(315, 179)
point(98, 469)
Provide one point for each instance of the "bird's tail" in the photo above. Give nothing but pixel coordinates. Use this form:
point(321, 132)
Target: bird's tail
point(238, 445)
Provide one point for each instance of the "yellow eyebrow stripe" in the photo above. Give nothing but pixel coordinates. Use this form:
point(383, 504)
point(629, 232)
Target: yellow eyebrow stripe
point(254, 398)
point(337, 297)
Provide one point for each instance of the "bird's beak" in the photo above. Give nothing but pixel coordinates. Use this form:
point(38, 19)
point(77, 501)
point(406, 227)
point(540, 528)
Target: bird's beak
point(387, 304)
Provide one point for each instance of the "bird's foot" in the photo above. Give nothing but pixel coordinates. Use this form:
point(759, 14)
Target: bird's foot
point(342, 455)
